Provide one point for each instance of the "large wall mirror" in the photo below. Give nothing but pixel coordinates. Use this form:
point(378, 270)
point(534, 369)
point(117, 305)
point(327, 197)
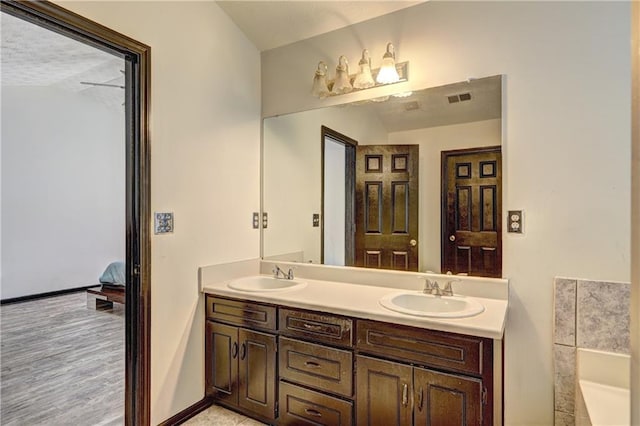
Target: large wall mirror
point(408, 182)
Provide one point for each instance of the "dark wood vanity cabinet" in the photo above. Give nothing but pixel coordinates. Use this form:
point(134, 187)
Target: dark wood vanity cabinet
point(390, 393)
point(427, 377)
point(298, 367)
point(240, 362)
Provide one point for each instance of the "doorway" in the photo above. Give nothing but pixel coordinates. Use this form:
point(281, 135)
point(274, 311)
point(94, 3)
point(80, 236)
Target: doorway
point(338, 198)
point(472, 212)
point(137, 210)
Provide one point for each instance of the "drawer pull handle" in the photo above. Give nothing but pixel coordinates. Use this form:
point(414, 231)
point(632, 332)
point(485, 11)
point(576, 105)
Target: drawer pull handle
point(312, 412)
point(405, 395)
point(312, 327)
point(234, 350)
point(311, 364)
point(420, 400)
point(243, 351)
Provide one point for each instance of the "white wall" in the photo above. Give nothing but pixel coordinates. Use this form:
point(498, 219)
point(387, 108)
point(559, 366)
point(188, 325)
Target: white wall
point(566, 142)
point(63, 190)
point(334, 202)
point(432, 142)
point(293, 175)
point(635, 216)
point(205, 167)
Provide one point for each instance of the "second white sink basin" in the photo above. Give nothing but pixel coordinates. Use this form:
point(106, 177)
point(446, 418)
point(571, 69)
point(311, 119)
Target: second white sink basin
point(427, 305)
point(264, 283)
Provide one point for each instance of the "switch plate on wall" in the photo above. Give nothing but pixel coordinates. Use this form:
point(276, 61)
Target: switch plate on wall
point(515, 221)
point(256, 220)
point(163, 223)
point(316, 220)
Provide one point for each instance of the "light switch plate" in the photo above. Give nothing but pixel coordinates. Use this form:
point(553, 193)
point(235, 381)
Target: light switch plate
point(256, 220)
point(163, 223)
point(515, 221)
point(316, 220)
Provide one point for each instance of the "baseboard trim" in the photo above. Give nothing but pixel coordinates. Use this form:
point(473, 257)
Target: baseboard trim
point(188, 412)
point(47, 294)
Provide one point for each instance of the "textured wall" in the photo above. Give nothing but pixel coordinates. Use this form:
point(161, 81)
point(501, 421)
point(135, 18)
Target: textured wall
point(63, 190)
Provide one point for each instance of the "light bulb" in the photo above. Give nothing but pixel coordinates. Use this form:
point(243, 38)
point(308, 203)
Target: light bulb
point(364, 79)
point(319, 88)
point(388, 73)
point(342, 83)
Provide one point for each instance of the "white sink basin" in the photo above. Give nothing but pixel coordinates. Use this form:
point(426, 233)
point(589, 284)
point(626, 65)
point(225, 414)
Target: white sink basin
point(263, 283)
point(427, 305)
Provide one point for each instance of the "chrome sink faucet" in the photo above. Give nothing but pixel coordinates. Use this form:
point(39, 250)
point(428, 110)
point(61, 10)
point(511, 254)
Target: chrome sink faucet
point(432, 287)
point(286, 275)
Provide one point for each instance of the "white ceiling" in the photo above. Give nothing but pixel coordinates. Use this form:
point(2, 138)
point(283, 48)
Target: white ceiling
point(270, 24)
point(431, 107)
point(34, 56)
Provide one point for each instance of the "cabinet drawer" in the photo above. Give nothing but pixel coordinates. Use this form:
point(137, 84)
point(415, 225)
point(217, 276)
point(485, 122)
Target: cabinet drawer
point(449, 351)
point(299, 406)
point(324, 328)
point(248, 314)
point(317, 366)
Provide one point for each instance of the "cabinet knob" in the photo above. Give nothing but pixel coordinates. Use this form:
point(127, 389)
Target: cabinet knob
point(413, 243)
point(452, 237)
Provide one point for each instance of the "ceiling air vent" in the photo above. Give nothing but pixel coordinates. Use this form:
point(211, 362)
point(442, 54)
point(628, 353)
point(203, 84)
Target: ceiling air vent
point(461, 97)
point(411, 106)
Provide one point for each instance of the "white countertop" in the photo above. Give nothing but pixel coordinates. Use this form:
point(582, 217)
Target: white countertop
point(361, 301)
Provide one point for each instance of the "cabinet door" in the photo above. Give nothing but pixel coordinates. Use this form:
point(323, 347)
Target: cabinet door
point(384, 392)
point(221, 368)
point(257, 372)
point(446, 399)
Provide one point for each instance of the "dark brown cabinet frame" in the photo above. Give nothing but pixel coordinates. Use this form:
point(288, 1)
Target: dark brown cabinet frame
point(138, 213)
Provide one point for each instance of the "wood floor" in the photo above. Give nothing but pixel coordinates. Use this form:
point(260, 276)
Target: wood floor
point(61, 363)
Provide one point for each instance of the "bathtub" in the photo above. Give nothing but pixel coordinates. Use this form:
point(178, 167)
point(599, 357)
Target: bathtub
point(603, 388)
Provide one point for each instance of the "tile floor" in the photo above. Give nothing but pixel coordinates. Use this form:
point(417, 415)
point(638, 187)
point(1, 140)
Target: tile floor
point(218, 416)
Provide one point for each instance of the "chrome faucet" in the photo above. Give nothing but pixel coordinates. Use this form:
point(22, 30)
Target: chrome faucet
point(428, 285)
point(432, 287)
point(286, 275)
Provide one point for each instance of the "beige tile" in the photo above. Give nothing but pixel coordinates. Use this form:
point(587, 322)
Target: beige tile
point(564, 360)
point(564, 419)
point(603, 316)
point(219, 416)
point(565, 311)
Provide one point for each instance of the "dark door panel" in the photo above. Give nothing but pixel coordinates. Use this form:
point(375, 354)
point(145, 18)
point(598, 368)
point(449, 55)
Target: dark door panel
point(387, 206)
point(471, 211)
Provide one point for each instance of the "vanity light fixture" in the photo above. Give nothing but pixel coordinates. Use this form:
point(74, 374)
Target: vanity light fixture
point(388, 73)
point(343, 81)
point(320, 88)
point(364, 79)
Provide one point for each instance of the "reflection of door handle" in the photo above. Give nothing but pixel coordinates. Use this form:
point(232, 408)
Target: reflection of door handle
point(413, 243)
point(452, 237)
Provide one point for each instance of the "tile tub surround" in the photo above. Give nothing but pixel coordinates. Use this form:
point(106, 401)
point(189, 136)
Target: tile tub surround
point(587, 314)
